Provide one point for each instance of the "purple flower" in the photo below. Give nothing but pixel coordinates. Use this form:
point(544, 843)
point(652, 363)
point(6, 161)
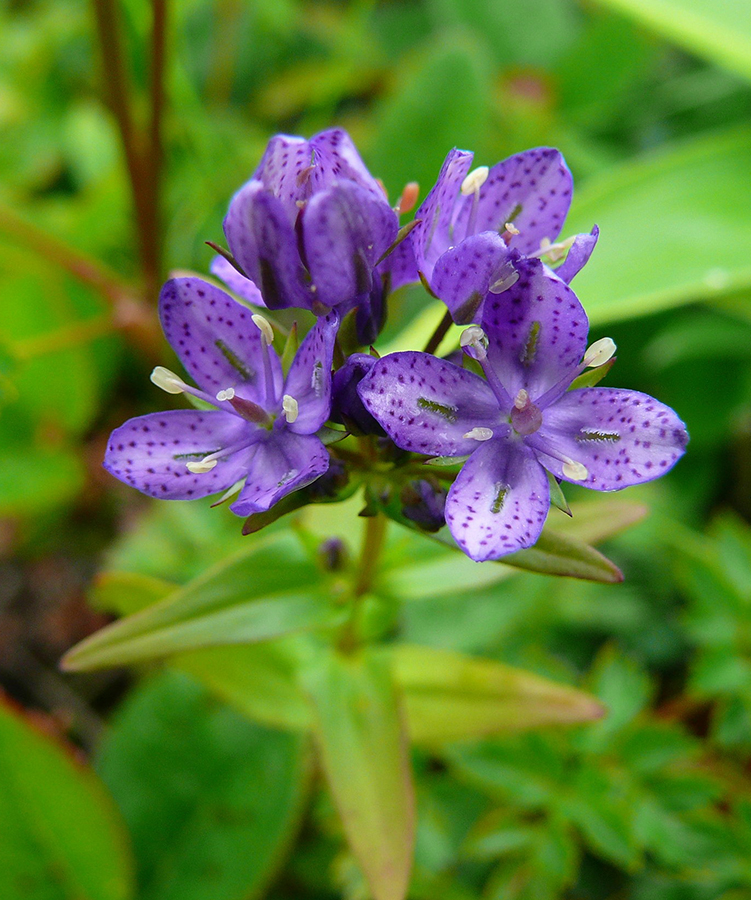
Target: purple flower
point(260, 439)
point(521, 419)
point(311, 224)
point(474, 226)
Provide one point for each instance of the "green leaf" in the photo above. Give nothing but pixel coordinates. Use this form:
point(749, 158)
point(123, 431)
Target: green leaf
point(60, 835)
point(557, 554)
point(449, 696)
point(267, 590)
point(32, 480)
point(363, 747)
point(671, 219)
point(212, 801)
point(718, 31)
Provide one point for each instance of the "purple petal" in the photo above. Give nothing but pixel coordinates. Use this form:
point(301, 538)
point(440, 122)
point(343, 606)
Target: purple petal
point(347, 407)
point(578, 255)
point(282, 463)
point(622, 437)
point(281, 170)
point(499, 501)
point(239, 284)
point(464, 274)
point(309, 378)
point(214, 336)
point(537, 331)
point(336, 159)
point(533, 189)
point(262, 239)
point(345, 231)
point(427, 405)
point(433, 236)
point(150, 452)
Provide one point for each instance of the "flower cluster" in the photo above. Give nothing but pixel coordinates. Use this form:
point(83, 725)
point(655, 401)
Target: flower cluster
point(512, 409)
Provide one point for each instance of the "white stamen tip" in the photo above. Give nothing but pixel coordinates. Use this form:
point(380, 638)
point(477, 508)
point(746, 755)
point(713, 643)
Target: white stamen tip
point(479, 434)
point(511, 228)
point(522, 399)
point(575, 470)
point(264, 326)
point(475, 180)
point(228, 394)
point(290, 408)
point(475, 338)
point(508, 279)
point(556, 251)
point(599, 352)
point(167, 380)
point(203, 465)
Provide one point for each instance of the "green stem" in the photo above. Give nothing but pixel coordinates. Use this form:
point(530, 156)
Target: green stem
point(370, 554)
point(154, 151)
point(439, 334)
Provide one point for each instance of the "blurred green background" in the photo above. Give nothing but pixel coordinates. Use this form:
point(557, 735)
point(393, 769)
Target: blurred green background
point(650, 102)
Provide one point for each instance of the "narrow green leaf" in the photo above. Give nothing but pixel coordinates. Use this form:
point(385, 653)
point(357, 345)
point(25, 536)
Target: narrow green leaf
point(449, 696)
point(212, 801)
point(363, 746)
point(643, 208)
point(266, 591)
point(60, 834)
point(557, 554)
point(719, 30)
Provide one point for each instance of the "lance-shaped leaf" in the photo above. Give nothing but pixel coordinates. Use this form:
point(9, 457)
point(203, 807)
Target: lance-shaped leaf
point(449, 696)
point(266, 591)
point(60, 834)
point(363, 746)
point(557, 554)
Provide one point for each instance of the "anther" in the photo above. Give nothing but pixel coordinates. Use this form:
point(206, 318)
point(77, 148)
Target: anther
point(575, 470)
point(290, 408)
point(264, 326)
point(521, 401)
point(475, 180)
point(474, 339)
point(203, 465)
point(167, 380)
point(408, 198)
point(599, 353)
point(479, 434)
point(557, 251)
point(511, 228)
point(227, 394)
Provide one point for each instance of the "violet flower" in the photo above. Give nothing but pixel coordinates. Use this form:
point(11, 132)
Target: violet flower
point(312, 223)
point(261, 438)
point(521, 419)
point(474, 226)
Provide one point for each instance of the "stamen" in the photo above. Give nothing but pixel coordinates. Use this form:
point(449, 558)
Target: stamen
point(475, 180)
point(227, 394)
point(556, 251)
point(575, 470)
point(474, 342)
point(599, 353)
point(507, 278)
point(237, 486)
point(264, 326)
point(290, 408)
point(479, 434)
point(511, 228)
point(167, 380)
point(203, 465)
point(408, 198)
point(522, 399)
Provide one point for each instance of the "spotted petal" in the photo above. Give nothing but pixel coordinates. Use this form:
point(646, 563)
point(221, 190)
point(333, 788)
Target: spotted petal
point(214, 336)
point(622, 437)
point(433, 236)
point(261, 236)
point(537, 331)
point(531, 189)
point(578, 255)
point(499, 501)
point(150, 452)
point(237, 283)
point(427, 405)
point(282, 463)
point(464, 274)
point(336, 159)
point(345, 231)
point(309, 378)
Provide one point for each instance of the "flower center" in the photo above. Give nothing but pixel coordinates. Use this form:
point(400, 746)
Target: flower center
point(526, 418)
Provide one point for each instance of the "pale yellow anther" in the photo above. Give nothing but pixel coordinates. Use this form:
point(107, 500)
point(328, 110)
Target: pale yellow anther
point(599, 352)
point(167, 380)
point(472, 336)
point(556, 251)
point(505, 281)
point(575, 470)
point(203, 465)
point(290, 408)
point(264, 326)
point(511, 228)
point(227, 394)
point(521, 401)
point(479, 434)
point(475, 180)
